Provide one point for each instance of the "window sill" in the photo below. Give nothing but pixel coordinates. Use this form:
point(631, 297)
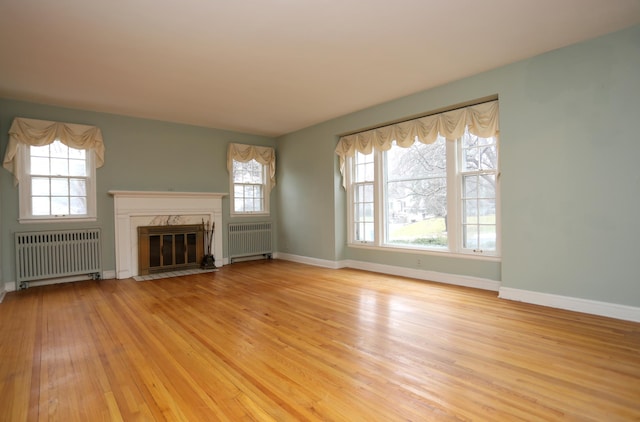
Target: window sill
point(432, 252)
point(249, 214)
point(57, 220)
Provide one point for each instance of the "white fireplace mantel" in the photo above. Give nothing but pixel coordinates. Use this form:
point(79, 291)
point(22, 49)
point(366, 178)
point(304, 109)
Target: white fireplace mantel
point(148, 208)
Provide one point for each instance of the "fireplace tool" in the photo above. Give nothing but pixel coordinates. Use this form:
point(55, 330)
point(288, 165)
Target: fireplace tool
point(208, 261)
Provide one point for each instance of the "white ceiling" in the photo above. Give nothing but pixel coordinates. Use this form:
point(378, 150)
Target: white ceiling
point(272, 67)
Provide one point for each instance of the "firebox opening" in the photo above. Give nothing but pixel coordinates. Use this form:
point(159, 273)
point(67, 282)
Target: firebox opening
point(169, 248)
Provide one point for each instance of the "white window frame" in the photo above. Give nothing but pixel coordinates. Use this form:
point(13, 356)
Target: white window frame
point(25, 197)
point(454, 208)
point(265, 187)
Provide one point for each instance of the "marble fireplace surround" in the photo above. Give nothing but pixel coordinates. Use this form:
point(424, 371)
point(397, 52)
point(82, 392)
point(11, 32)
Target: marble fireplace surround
point(151, 208)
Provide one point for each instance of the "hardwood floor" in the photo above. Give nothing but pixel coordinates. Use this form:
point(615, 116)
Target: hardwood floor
point(280, 341)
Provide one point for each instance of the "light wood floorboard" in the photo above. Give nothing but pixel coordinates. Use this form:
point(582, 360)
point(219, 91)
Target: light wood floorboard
point(281, 341)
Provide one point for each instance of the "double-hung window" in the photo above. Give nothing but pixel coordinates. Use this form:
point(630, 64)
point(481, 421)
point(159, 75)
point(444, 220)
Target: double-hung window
point(54, 166)
point(249, 187)
point(59, 183)
point(417, 188)
point(363, 203)
point(252, 175)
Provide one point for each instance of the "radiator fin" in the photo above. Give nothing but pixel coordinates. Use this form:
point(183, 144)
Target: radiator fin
point(250, 239)
point(54, 254)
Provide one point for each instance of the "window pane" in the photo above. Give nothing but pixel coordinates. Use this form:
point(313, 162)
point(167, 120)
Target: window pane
point(59, 205)
point(59, 167)
point(77, 187)
point(470, 211)
point(487, 211)
point(77, 168)
point(359, 212)
point(42, 151)
point(364, 232)
point(470, 186)
point(470, 159)
point(487, 237)
point(59, 150)
point(59, 187)
point(77, 154)
point(40, 165)
point(78, 206)
point(470, 234)
point(238, 204)
point(488, 157)
point(367, 212)
point(40, 186)
point(40, 205)
point(487, 186)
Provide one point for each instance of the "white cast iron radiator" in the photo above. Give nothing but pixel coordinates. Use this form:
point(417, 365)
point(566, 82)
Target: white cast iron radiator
point(54, 254)
point(250, 239)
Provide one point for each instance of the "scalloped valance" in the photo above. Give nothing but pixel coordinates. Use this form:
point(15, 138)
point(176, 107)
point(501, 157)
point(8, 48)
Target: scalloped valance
point(481, 119)
point(32, 132)
point(244, 153)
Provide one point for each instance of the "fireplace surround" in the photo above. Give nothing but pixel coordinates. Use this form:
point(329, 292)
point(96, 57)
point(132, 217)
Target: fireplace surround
point(133, 209)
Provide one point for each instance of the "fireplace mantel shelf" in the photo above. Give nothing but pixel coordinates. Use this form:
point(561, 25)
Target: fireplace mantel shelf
point(164, 194)
point(141, 208)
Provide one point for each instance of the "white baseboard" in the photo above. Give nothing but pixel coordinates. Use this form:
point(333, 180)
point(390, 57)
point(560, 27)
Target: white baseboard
point(311, 261)
point(594, 307)
point(455, 279)
point(612, 310)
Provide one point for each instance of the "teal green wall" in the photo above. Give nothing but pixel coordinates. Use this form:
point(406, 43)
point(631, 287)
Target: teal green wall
point(140, 154)
point(570, 186)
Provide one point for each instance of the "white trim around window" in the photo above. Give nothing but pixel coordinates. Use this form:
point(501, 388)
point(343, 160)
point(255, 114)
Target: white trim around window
point(28, 176)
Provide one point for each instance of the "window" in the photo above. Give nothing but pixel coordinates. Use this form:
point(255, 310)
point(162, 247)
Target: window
point(479, 179)
point(54, 166)
point(411, 186)
point(440, 196)
point(58, 183)
point(252, 171)
point(363, 194)
point(249, 187)
point(416, 194)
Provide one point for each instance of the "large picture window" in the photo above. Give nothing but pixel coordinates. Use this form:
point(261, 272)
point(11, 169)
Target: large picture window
point(430, 192)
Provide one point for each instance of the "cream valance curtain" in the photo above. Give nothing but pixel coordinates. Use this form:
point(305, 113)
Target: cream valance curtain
point(27, 132)
point(481, 119)
point(243, 153)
